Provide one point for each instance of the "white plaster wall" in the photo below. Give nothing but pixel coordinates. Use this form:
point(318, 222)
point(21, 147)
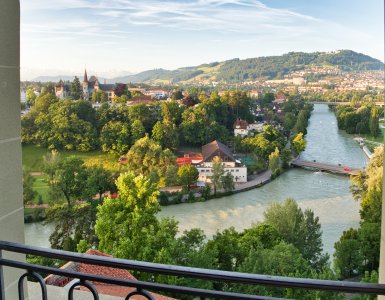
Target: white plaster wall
point(239, 174)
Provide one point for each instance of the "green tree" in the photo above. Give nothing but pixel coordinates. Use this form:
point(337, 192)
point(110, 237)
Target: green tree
point(83, 246)
point(302, 229)
point(274, 163)
point(99, 96)
point(115, 137)
point(260, 235)
point(226, 248)
point(299, 143)
point(369, 235)
point(347, 256)
point(289, 121)
point(166, 134)
point(69, 179)
point(285, 157)
point(227, 182)
point(217, 171)
point(137, 131)
point(171, 175)
point(281, 260)
point(171, 112)
point(51, 162)
point(177, 95)
point(358, 250)
point(71, 224)
point(303, 119)
point(188, 175)
point(267, 99)
point(30, 96)
point(29, 193)
point(60, 125)
point(43, 102)
point(76, 91)
point(147, 115)
point(74, 220)
point(148, 158)
point(125, 225)
point(351, 121)
point(373, 122)
point(99, 181)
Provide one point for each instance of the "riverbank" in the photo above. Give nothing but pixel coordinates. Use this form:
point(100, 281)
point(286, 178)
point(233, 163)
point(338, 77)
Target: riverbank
point(178, 197)
point(255, 181)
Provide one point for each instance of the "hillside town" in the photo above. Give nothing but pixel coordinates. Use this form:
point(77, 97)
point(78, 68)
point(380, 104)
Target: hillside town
point(313, 79)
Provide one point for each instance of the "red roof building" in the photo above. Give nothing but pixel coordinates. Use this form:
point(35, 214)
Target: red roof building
point(240, 124)
point(280, 98)
point(140, 100)
point(188, 159)
point(216, 148)
point(102, 288)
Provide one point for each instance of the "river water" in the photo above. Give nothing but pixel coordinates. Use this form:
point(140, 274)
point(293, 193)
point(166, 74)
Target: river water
point(326, 194)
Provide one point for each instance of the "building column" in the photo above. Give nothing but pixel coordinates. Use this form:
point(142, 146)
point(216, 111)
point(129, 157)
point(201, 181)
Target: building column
point(381, 275)
point(11, 194)
point(382, 242)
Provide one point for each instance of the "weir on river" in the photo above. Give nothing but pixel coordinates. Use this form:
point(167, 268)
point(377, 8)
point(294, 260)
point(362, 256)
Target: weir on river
point(326, 194)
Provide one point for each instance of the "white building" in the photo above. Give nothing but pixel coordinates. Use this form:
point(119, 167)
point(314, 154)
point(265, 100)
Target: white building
point(156, 93)
point(243, 128)
point(299, 81)
point(232, 166)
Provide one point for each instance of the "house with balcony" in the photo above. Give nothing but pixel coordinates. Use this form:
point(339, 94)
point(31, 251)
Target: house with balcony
point(242, 128)
point(156, 93)
point(230, 164)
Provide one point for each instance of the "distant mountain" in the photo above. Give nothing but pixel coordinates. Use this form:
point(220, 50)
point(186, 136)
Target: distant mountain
point(54, 78)
point(238, 70)
point(57, 78)
point(269, 67)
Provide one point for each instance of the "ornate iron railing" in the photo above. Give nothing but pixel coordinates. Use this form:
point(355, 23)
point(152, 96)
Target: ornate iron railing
point(142, 287)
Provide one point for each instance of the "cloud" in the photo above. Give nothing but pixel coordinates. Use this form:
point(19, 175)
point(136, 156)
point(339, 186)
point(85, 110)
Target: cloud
point(241, 16)
point(142, 34)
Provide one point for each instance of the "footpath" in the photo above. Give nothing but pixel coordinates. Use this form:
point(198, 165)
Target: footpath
point(253, 182)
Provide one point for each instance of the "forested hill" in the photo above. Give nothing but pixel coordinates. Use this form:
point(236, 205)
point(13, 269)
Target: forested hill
point(270, 67)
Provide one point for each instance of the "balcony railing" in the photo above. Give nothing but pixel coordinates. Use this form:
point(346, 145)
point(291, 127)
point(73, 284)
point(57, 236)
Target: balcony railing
point(142, 287)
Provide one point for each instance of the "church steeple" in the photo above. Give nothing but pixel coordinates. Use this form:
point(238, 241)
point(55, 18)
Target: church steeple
point(85, 76)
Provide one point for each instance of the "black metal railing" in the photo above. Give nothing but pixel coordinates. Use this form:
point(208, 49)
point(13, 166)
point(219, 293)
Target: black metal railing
point(142, 287)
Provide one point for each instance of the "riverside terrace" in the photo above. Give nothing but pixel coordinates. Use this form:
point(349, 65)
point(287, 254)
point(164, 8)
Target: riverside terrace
point(142, 288)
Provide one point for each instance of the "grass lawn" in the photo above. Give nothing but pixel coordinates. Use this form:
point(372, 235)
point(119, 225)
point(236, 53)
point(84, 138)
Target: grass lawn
point(33, 158)
point(378, 139)
point(41, 187)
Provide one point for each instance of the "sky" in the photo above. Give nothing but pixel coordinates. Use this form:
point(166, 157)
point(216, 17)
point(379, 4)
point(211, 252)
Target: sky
point(116, 37)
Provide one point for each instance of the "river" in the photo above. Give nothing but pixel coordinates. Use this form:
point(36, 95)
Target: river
point(326, 194)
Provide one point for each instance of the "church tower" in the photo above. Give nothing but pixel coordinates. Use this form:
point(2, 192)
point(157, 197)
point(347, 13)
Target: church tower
point(86, 93)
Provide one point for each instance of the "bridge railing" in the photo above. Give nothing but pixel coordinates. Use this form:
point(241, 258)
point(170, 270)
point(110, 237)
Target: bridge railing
point(142, 287)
